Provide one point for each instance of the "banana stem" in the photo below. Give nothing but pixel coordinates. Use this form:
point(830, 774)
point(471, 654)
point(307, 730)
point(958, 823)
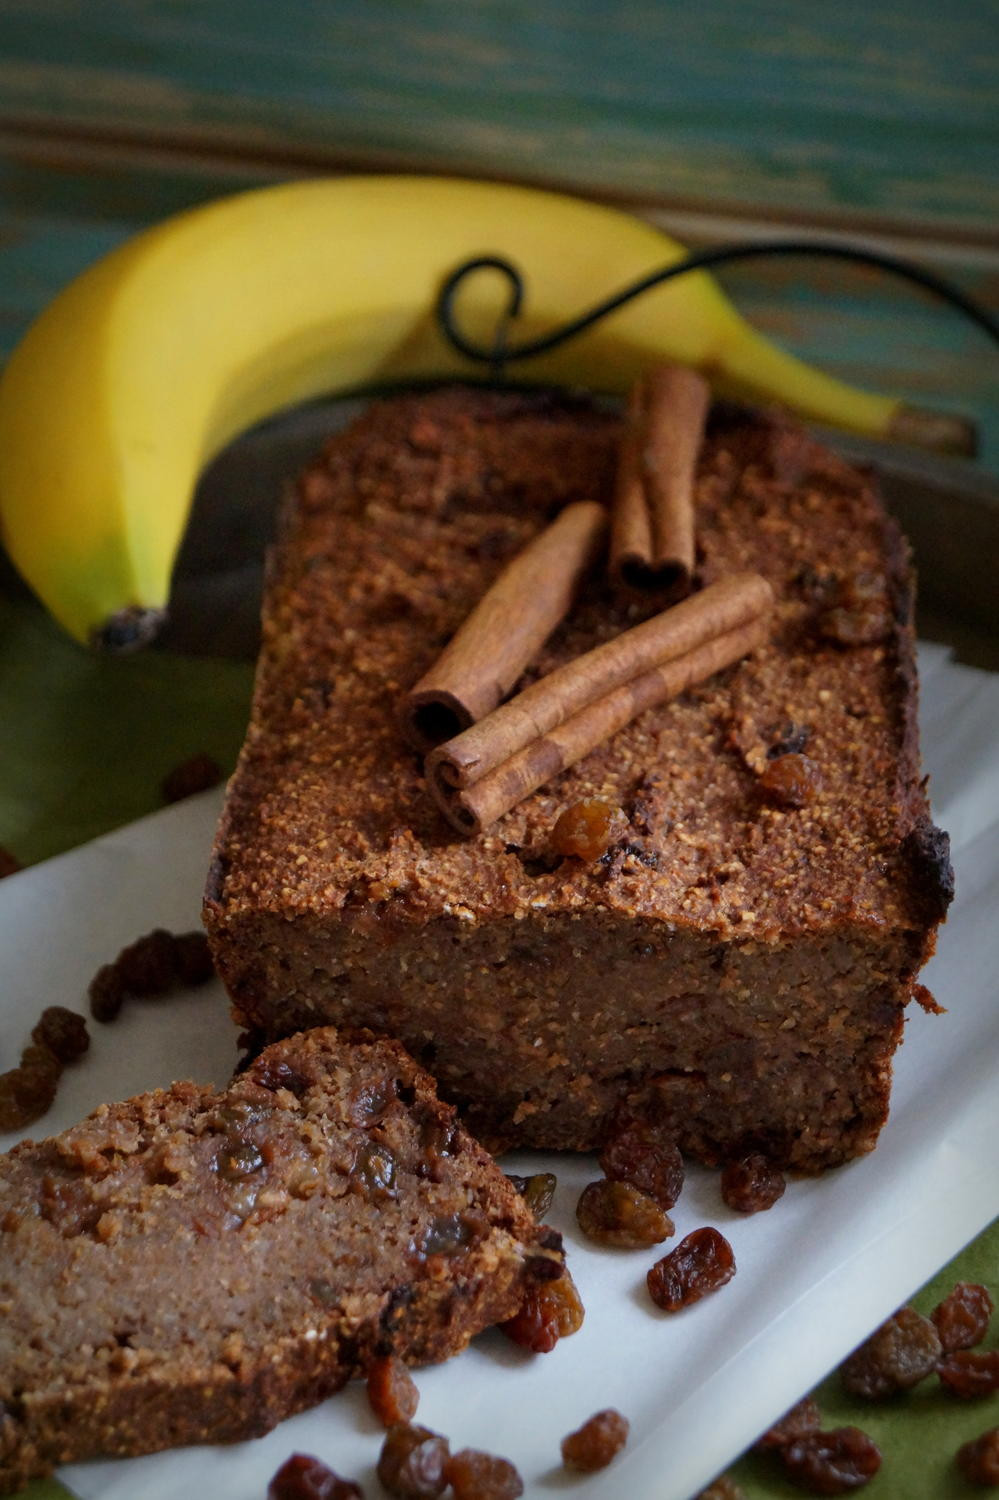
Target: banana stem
point(939, 431)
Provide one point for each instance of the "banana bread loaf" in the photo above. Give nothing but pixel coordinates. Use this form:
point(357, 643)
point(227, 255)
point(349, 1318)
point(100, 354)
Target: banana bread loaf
point(738, 961)
point(193, 1266)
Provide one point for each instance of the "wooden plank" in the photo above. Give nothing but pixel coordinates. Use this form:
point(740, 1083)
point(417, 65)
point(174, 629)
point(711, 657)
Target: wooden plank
point(853, 112)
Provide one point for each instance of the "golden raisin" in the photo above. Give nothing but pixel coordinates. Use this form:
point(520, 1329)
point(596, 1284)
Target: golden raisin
point(751, 1184)
point(962, 1318)
point(723, 1488)
point(701, 1263)
point(617, 1214)
point(303, 1477)
point(596, 1443)
point(392, 1391)
point(636, 1153)
point(371, 1101)
point(587, 829)
point(63, 1032)
point(970, 1372)
point(831, 1463)
point(897, 1356)
point(238, 1159)
point(106, 993)
point(373, 1174)
point(549, 1311)
point(979, 1459)
point(803, 1417)
point(447, 1234)
point(537, 1191)
point(482, 1476)
point(28, 1090)
point(861, 615)
point(148, 966)
point(39, 1065)
point(790, 781)
point(863, 625)
point(412, 1462)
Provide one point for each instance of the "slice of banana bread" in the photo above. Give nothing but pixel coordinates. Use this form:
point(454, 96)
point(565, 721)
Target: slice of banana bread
point(192, 1266)
point(738, 960)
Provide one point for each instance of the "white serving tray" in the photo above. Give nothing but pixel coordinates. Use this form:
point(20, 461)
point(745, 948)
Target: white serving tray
point(815, 1274)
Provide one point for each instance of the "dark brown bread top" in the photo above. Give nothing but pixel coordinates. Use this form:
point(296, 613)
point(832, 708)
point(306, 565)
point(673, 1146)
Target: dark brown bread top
point(392, 538)
point(192, 1265)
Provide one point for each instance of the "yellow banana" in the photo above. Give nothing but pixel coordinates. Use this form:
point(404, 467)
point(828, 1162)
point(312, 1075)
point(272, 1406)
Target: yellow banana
point(155, 357)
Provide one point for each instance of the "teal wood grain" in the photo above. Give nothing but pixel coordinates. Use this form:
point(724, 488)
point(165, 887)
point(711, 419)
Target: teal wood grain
point(55, 222)
point(883, 112)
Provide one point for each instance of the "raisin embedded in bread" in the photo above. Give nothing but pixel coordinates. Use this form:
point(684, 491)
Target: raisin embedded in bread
point(192, 1266)
point(736, 964)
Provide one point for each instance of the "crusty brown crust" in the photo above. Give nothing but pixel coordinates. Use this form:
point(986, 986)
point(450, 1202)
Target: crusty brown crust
point(927, 847)
point(154, 1294)
point(723, 942)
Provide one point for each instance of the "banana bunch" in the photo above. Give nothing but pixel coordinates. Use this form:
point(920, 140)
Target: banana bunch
point(155, 357)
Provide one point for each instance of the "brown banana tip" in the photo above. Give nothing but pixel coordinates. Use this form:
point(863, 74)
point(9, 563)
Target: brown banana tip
point(128, 629)
point(939, 431)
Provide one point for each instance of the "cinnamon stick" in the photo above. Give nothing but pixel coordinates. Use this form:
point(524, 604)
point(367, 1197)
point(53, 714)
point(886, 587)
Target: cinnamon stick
point(676, 632)
point(503, 633)
point(472, 808)
point(652, 536)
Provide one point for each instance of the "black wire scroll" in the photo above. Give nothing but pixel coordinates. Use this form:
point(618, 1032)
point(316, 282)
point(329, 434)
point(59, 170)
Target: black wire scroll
point(501, 352)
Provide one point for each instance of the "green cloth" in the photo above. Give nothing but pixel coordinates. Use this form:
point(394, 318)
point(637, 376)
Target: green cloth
point(86, 743)
point(918, 1432)
point(87, 740)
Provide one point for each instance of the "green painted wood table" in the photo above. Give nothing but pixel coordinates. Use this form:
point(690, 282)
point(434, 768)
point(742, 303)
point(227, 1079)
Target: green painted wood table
point(718, 122)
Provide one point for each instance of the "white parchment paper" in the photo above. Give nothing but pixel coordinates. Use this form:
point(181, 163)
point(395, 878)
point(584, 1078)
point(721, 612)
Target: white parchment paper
point(815, 1274)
